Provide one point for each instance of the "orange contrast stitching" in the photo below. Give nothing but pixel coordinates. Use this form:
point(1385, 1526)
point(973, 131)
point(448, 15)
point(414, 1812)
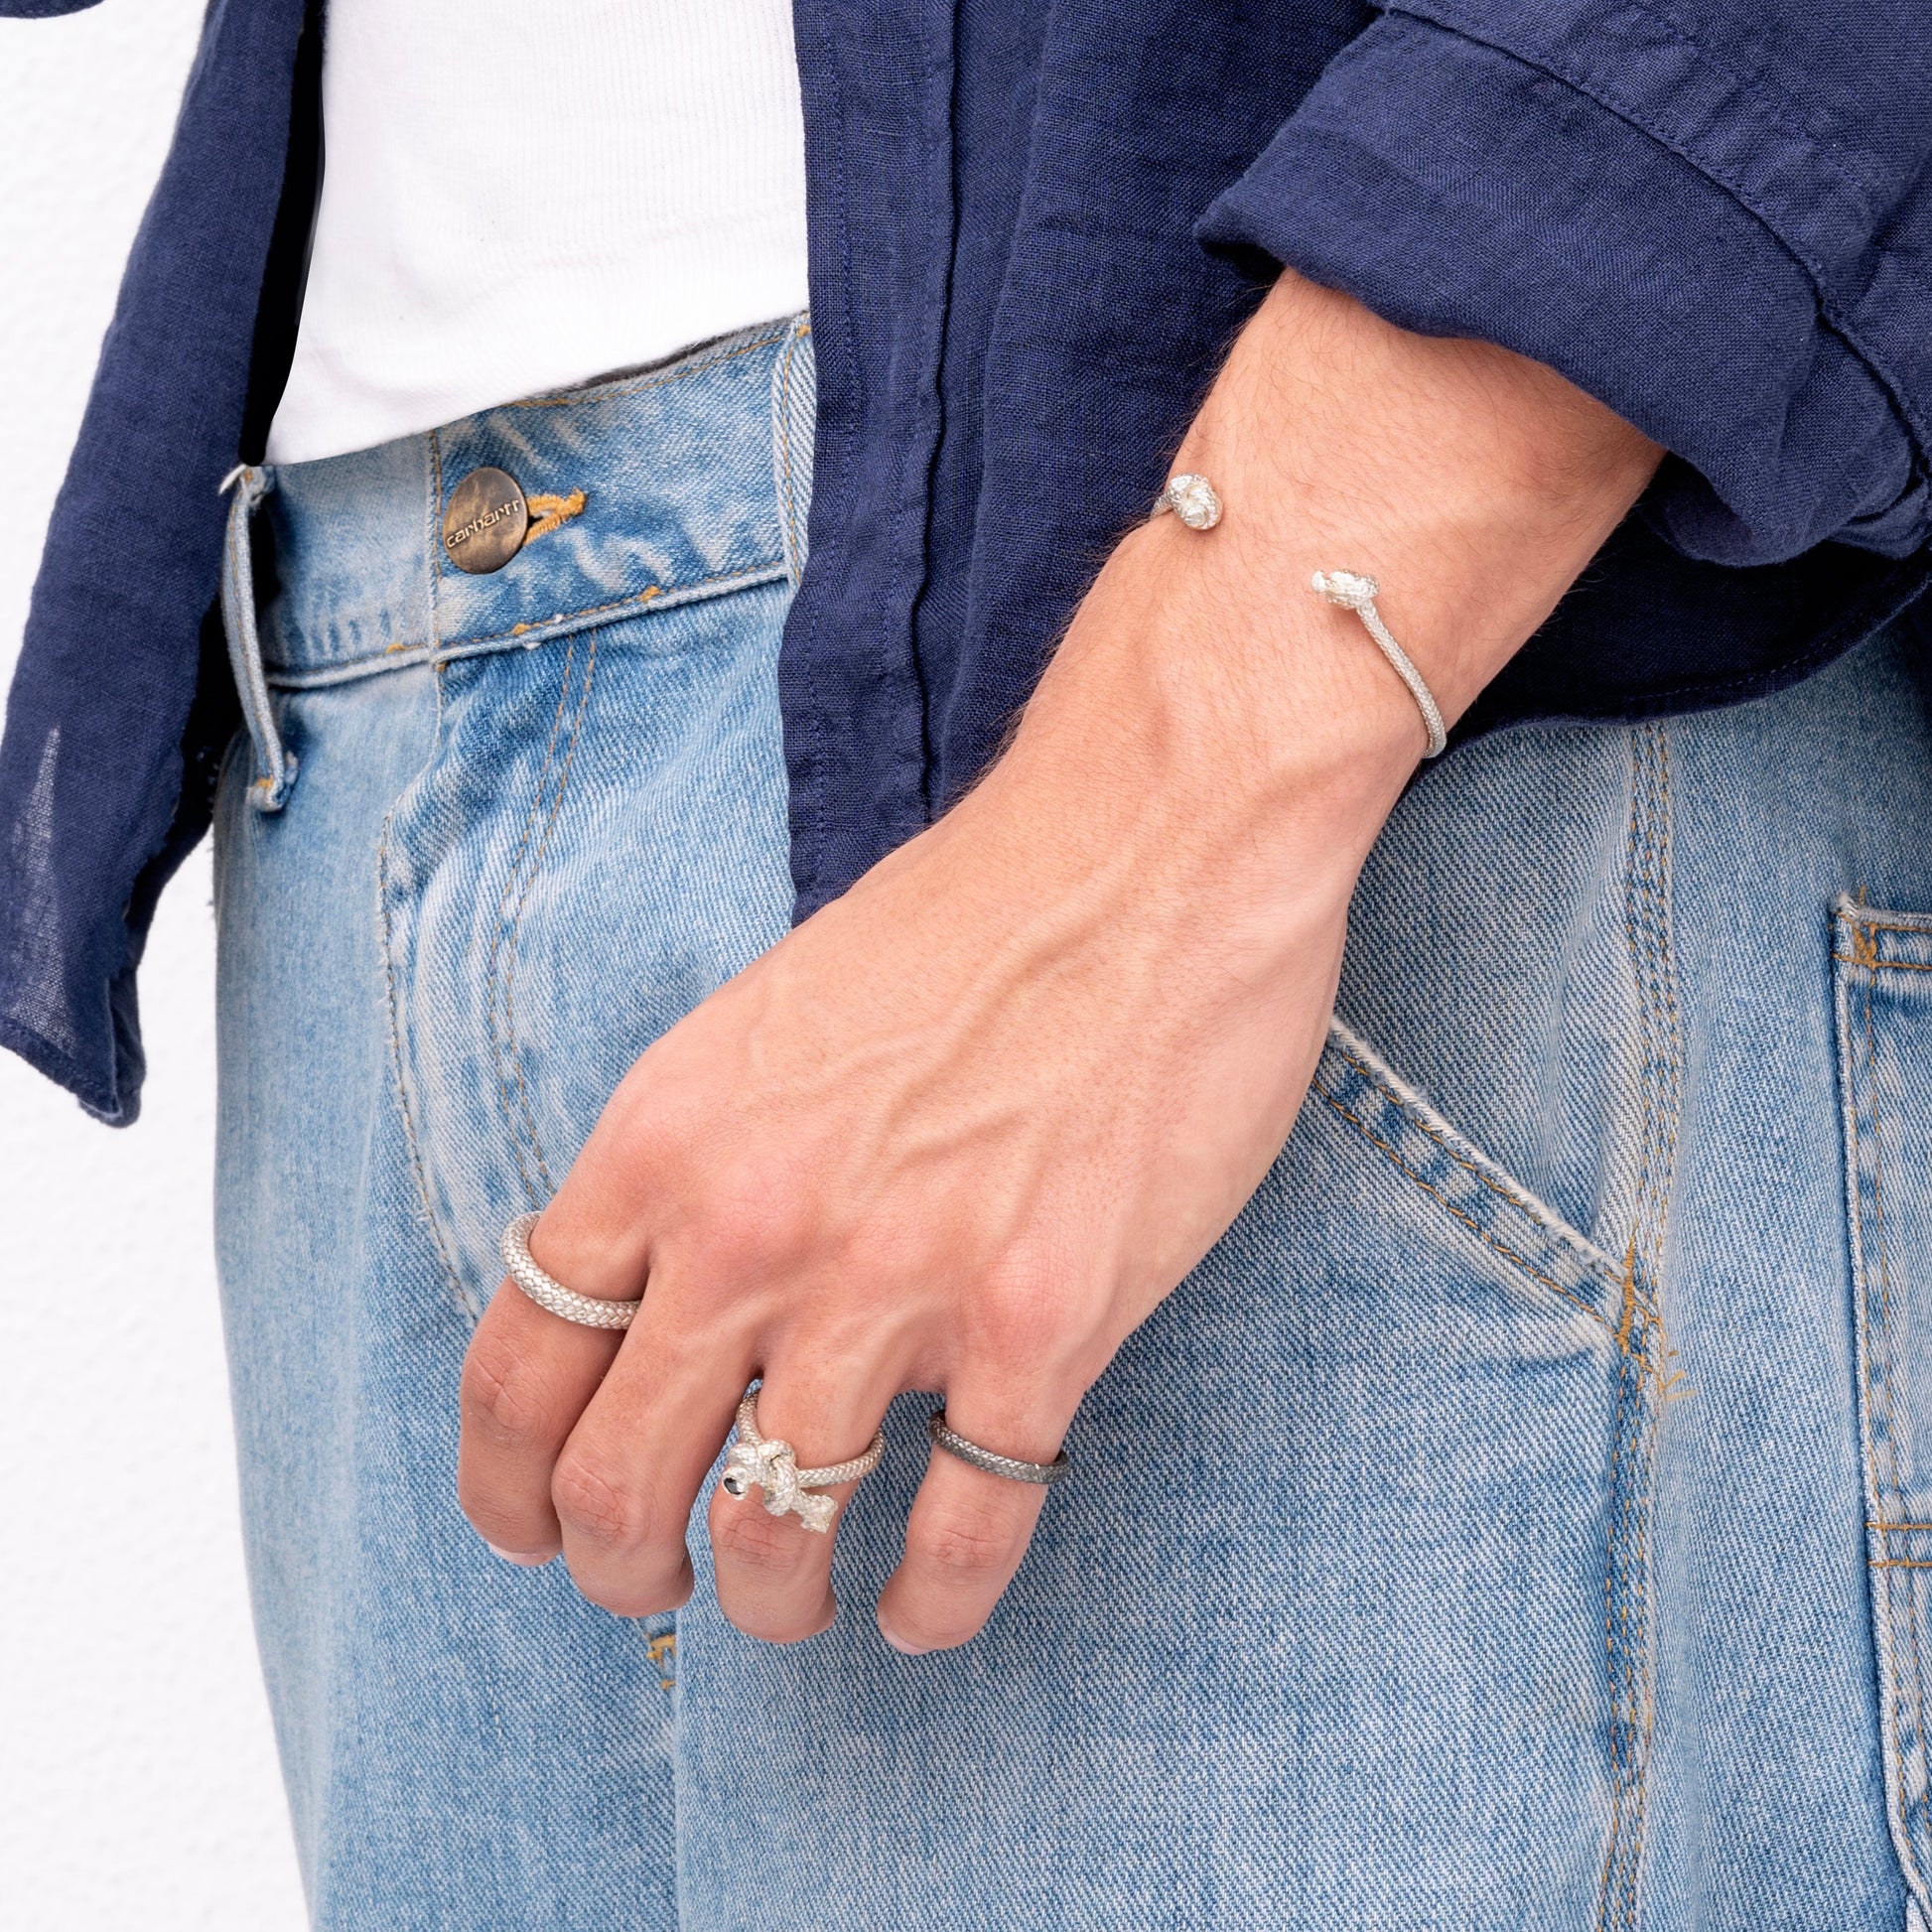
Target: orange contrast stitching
point(551, 514)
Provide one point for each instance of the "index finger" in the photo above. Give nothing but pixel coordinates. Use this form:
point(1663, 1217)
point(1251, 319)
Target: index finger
point(527, 1377)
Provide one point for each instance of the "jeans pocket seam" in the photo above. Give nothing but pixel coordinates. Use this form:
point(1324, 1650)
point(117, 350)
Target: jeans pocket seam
point(1897, 1616)
point(1544, 1250)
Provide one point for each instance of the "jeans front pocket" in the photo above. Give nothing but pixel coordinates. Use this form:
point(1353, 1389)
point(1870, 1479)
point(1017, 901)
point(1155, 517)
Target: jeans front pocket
point(1473, 1654)
point(1882, 969)
point(1339, 1622)
point(594, 845)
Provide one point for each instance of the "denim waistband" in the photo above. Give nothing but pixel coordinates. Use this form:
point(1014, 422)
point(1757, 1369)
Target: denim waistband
point(638, 496)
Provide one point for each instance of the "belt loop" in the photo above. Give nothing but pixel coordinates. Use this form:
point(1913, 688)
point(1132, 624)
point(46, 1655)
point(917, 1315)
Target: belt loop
point(794, 425)
point(274, 764)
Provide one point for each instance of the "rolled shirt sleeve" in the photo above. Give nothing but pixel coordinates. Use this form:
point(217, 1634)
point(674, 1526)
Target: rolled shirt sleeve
point(1720, 229)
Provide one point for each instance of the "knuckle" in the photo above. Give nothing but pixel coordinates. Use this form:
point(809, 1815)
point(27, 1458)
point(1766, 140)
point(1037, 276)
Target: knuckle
point(1026, 1309)
point(636, 1130)
point(503, 1395)
point(592, 1503)
point(630, 1597)
point(964, 1546)
point(752, 1223)
point(745, 1537)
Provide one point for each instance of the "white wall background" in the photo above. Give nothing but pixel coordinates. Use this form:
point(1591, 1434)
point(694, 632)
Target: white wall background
point(138, 1785)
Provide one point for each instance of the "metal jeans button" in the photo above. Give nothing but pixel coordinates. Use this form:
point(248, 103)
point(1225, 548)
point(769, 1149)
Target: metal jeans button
point(483, 526)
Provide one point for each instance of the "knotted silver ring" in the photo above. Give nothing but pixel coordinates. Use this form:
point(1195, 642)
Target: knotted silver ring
point(770, 1465)
point(547, 1291)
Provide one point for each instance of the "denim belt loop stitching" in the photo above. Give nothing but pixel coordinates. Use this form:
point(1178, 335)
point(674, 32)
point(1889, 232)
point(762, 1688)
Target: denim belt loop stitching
point(795, 421)
point(275, 765)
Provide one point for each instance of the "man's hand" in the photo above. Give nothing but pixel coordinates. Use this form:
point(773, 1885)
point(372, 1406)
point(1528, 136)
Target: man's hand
point(967, 1126)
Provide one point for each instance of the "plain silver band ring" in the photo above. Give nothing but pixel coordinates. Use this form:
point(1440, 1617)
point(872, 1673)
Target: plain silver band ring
point(1009, 1467)
point(547, 1291)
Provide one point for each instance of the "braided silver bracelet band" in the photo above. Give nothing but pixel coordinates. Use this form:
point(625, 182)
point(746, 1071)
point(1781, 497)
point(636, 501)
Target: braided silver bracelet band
point(1353, 591)
point(1009, 1466)
point(1197, 503)
point(547, 1291)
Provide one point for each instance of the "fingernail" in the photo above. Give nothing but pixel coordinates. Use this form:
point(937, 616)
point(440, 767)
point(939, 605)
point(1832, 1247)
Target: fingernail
point(904, 1649)
point(510, 1555)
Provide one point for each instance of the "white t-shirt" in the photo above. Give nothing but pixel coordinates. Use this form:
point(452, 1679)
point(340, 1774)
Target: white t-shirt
point(520, 194)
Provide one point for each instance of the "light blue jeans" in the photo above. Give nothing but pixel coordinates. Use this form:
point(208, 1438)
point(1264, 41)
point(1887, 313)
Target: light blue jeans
point(1518, 1520)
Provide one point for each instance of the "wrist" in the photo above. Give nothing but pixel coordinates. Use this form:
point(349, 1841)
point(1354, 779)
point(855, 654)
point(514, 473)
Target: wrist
point(1473, 484)
point(1246, 759)
point(1210, 719)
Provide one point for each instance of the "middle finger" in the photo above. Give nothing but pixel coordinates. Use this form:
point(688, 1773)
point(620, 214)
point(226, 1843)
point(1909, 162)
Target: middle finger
point(774, 1574)
point(626, 1478)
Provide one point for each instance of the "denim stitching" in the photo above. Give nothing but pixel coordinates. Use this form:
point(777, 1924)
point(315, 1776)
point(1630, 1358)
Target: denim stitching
point(1627, 1579)
point(1878, 1408)
point(395, 657)
point(551, 514)
point(1665, 823)
point(1618, 1493)
point(1664, 991)
point(1469, 1221)
point(1886, 1601)
point(1883, 1405)
point(1612, 1578)
point(602, 392)
point(529, 886)
point(1887, 1384)
point(499, 1052)
point(1546, 1222)
point(662, 1651)
point(465, 1301)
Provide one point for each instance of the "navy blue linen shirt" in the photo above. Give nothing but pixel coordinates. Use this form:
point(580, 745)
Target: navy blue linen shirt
point(1033, 231)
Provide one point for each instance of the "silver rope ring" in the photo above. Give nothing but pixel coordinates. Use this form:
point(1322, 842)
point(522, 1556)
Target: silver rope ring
point(547, 1291)
point(1009, 1466)
point(769, 1464)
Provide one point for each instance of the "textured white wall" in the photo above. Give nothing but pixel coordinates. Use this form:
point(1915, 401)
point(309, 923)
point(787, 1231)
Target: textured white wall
point(137, 1774)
